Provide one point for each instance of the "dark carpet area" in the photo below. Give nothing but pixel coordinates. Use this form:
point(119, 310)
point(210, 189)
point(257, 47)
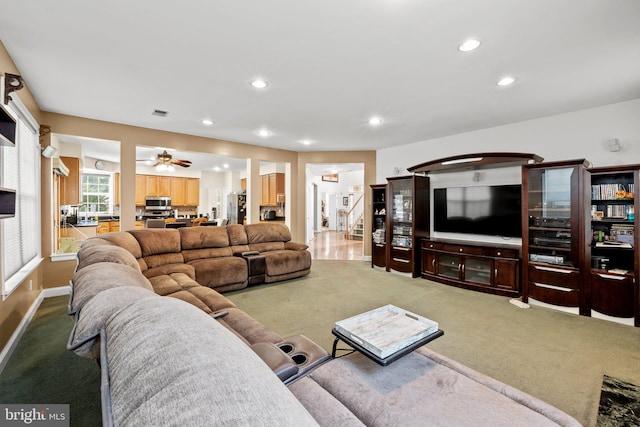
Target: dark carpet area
point(42, 370)
point(619, 403)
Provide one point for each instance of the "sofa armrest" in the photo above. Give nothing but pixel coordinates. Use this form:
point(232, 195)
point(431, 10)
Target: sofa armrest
point(280, 363)
point(293, 246)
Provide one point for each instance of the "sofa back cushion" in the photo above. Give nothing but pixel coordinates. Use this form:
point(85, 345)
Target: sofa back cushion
point(204, 242)
point(84, 337)
point(122, 239)
point(266, 246)
point(105, 252)
point(159, 246)
point(187, 370)
point(95, 278)
point(267, 232)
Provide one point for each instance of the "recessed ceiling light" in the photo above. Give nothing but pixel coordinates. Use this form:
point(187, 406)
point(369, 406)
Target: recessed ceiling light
point(375, 121)
point(217, 169)
point(259, 83)
point(468, 45)
point(305, 142)
point(226, 166)
point(207, 122)
point(264, 133)
point(506, 81)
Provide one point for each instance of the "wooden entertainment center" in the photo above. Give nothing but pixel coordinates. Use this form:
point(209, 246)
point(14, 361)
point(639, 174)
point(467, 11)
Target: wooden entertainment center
point(491, 269)
point(579, 235)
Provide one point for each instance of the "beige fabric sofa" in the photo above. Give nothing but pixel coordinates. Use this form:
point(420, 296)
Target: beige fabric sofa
point(196, 359)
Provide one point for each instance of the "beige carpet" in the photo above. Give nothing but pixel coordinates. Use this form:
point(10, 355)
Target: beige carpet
point(557, 357)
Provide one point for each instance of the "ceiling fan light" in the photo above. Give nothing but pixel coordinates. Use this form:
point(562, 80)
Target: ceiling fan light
point(259, 83)
point(469, 45)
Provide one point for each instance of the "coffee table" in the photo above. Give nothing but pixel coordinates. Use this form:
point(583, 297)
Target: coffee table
point(385, 334)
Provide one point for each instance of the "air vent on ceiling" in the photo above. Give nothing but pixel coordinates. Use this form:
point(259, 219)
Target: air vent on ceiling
point(160, 113)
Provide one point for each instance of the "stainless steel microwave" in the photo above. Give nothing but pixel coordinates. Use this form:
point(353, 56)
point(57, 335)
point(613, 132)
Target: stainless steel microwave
point(158, 203)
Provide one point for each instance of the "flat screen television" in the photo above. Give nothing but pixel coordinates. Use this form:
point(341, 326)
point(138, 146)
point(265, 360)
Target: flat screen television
point(494, 210)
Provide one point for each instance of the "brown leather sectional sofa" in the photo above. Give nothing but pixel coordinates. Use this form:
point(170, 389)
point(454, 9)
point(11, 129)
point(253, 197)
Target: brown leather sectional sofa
point(196, 359)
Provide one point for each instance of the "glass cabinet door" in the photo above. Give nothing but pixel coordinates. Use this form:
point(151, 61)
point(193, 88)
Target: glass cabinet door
point(402, 213)
point(549, 201)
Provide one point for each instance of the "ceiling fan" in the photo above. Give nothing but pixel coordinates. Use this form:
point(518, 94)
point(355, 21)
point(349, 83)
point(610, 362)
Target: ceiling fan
point(165, 161)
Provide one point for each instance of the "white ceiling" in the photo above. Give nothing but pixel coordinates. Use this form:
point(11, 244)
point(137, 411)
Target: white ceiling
point(330, 64)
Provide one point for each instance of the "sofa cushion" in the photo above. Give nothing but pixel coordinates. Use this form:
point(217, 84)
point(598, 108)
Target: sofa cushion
point(267, 232)
point(187, 371)
point(181, 286)
point(424, 385)
point(203, 237)
point(283, 262)
point(193, 254)
point(154, 241)
point(176, 267)
point(237, 234)
point(225, 273)
point(95, 278)
point(105, 253)
point(84, 337)
point(266, 246)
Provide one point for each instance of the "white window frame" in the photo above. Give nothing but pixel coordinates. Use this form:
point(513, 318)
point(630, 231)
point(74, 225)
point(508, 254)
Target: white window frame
point(111, 193)
point(19, 112)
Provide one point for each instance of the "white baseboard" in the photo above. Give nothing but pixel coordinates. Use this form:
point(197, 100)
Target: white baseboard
point(6, 352)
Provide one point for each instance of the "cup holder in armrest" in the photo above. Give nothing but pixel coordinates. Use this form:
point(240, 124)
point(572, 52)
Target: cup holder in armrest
point(287, 348)
point(299, 358)
point(306, 354)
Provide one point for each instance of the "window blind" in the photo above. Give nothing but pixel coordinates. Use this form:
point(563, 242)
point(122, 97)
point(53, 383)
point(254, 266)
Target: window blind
point(21, 234)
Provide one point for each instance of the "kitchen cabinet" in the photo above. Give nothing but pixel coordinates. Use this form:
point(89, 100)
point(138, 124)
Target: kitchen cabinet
point(178, 191)
point(158, 186)
point(70, 193)
point(193, 192)
point(183, 191)
point(103, 228)
point(141, 190)
point(272, 189)
point(243, 184)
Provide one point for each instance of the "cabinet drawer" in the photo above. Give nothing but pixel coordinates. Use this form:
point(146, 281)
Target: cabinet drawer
point(401, 264)
point(431, 245)
point(554, 276)
point(401, 253)
point(471, 250)
point(500, 253)
point(612, 294)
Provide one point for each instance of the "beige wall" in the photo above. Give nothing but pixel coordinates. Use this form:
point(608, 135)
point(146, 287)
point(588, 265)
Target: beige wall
point(366, 157)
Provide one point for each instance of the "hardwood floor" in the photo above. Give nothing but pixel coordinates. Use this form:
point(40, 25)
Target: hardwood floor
point(330, 244)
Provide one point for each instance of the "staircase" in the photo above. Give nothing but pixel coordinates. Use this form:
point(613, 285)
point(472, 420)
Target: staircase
point(357, 232)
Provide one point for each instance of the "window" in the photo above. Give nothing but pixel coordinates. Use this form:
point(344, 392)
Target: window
point(20, 235)
point(96, 194)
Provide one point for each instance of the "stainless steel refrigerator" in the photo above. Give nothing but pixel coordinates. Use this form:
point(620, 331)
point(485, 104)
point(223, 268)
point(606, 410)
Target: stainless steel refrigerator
point(236, 208)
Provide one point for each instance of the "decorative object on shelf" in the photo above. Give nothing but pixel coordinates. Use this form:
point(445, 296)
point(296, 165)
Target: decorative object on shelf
point(12, 83)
